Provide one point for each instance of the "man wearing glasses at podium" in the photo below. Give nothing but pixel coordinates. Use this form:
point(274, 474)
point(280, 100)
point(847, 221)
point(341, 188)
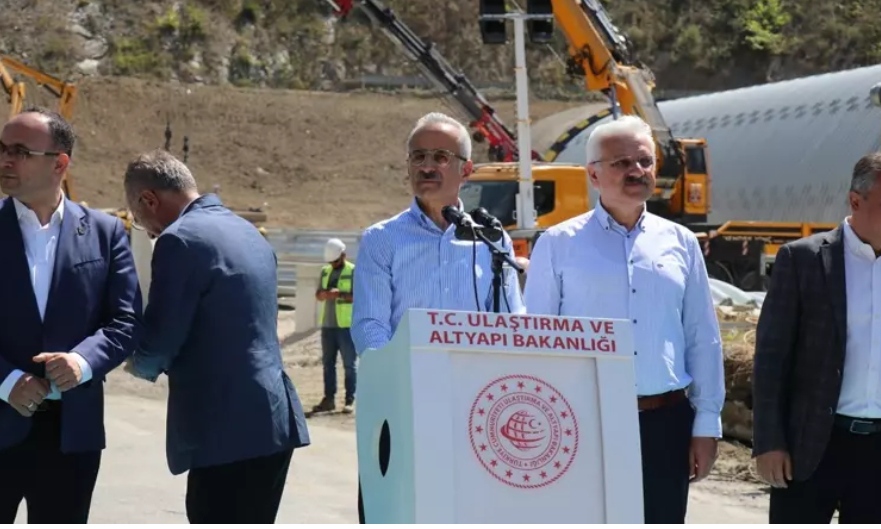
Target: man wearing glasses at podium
point(416, 259)
point(620, 261)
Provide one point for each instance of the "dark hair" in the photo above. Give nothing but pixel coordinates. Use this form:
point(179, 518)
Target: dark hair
point(61, 131)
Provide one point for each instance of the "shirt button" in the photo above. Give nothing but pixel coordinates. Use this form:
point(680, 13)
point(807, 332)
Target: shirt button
point(633, 291)
point(635, 352)
point(831, 411)
point(634, 320)
point(447, 289)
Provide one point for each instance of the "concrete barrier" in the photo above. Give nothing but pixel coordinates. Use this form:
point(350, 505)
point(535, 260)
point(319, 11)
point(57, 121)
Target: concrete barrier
point(142, 250)
point(308, 278)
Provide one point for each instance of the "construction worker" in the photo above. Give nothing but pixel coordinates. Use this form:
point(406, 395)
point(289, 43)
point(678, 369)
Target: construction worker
point(334, 297)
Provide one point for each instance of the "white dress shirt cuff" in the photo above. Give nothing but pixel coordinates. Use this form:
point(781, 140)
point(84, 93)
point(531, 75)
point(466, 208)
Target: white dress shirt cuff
point(9, 383)
point(84, 367)
point(707, 424)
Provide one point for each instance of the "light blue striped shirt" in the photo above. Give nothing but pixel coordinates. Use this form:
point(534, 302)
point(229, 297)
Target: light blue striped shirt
point(653, 275)
point(408, 262)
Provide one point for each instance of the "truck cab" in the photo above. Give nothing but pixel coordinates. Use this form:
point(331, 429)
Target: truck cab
point(560, 192)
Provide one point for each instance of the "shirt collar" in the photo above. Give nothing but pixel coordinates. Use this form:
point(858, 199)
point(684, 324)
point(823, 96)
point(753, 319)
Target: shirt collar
point(187, 207)
point(21, 211)
point(422, 218)
point(607, 222)
point(854, 244)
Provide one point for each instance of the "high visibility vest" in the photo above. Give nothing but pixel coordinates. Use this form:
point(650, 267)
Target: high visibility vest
point(344, 285)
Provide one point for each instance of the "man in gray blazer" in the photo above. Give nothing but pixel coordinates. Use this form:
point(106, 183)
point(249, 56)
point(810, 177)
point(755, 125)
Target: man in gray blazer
point(210, 324)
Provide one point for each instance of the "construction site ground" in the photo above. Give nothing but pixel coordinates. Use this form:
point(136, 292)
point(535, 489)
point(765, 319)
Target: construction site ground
point(309, 159)
point(135, 486)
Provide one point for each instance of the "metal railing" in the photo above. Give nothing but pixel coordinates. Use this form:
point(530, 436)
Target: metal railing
point(295, 246)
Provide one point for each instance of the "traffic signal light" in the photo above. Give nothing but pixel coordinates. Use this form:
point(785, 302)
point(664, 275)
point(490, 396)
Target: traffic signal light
point(493, 31)
point(540, 31)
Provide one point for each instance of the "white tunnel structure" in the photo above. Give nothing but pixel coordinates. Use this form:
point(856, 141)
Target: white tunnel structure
point(781, 151)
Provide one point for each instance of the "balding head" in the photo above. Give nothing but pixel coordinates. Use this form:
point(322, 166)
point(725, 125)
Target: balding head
point(35, 149)
point(51, 125)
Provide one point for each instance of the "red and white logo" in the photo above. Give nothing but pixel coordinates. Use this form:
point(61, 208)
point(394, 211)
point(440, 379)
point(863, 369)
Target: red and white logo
point(523, 431)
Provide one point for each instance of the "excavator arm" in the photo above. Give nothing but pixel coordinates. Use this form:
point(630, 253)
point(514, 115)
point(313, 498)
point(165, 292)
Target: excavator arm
point(485, 124)
point(14, 90)
point(601, 54)
point(64, 91)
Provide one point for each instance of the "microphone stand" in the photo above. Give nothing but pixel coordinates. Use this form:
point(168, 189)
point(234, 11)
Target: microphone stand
point(499, 258)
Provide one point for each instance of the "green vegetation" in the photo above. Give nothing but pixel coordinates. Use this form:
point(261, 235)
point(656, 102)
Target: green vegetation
point(688, 44)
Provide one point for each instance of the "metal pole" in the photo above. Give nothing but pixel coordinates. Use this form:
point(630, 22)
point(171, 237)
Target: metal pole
point(525, 201)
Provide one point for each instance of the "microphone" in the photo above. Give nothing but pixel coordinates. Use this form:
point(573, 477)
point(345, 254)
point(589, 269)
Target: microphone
point(463, 223)
point(493, 228)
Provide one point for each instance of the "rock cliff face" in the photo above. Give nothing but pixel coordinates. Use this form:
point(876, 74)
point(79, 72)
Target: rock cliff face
point(689, 45)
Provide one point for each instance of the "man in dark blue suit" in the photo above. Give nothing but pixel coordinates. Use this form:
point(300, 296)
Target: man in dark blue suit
point(69, 314)
point(210, 324)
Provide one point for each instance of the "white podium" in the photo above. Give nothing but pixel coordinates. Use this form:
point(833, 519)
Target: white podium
point(500, 418)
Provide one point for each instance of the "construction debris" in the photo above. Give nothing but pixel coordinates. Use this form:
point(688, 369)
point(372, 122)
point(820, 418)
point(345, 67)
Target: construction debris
point(738, 325)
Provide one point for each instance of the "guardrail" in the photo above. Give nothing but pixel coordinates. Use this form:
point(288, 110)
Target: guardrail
point(296, 246)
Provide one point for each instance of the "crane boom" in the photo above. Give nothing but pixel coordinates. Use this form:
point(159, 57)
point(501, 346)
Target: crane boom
point(600, 53)
point(485, 122)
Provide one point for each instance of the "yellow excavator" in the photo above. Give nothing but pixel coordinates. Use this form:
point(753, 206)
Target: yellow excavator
point(740, 252)
point(66, 93)
point(63, 90)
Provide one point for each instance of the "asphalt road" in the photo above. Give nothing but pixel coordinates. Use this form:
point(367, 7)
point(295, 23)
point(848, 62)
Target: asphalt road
point(134, 485)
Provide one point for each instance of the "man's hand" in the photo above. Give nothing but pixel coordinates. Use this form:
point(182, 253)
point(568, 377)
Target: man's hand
point(27, 393)
point(62, 369)
point(701, 457)
point(775, 468)
point(333, 293)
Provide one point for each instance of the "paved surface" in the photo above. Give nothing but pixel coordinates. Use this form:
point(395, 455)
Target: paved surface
point(134, 485)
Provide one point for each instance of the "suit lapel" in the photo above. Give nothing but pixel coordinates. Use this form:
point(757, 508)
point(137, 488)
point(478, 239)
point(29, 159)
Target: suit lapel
point(832, 255)
point(68, 251)
point(16, 271)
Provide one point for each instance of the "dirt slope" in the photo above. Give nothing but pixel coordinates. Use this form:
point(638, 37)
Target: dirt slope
point(311, 159)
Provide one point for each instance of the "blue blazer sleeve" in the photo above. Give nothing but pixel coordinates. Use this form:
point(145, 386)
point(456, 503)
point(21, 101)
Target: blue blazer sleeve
point(171, 305)
point(116, 339)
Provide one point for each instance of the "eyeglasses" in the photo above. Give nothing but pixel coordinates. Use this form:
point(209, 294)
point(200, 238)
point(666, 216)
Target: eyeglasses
point(627, 163)
point(441, 157)
point(19, 152)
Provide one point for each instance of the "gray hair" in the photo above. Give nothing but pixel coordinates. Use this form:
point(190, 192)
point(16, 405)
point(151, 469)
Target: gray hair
point(439, 118)
point(625, 125)
point(865, 174)
point(158, 170)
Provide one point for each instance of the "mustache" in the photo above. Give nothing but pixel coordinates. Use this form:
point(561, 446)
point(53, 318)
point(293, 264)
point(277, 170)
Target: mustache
point(428, 175)
point(636, 180)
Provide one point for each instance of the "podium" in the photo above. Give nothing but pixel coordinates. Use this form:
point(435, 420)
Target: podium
point(500, 418)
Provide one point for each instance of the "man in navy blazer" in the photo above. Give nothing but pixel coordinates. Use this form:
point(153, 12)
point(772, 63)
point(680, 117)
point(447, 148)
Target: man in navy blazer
point(210, 324)
point(69, 314)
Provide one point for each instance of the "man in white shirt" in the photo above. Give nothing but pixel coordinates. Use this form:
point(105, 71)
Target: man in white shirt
point(620, 261)
point(70, 310)
point(817, 369)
